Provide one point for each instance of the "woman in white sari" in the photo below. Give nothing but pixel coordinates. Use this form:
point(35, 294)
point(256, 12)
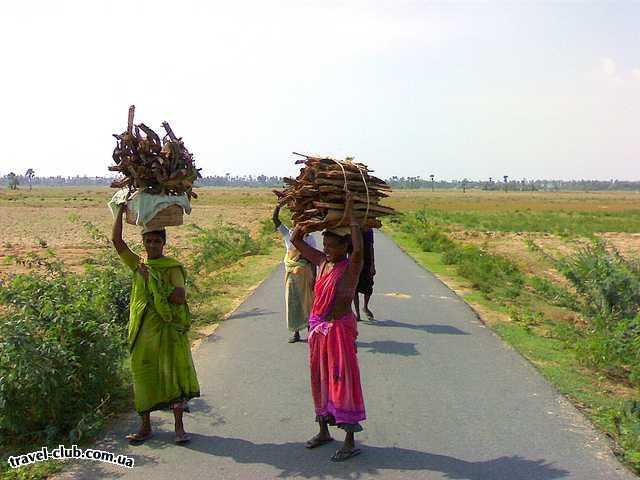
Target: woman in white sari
point(299, 280)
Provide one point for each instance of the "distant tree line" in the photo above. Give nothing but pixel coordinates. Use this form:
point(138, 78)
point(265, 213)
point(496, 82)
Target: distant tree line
point(15, 181)
point(504, 183)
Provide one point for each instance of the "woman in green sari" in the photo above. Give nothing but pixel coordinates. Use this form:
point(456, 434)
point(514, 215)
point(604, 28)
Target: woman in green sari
point(161, 363)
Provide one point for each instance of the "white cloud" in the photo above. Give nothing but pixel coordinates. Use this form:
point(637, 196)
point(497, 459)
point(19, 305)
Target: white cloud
point(635, 73)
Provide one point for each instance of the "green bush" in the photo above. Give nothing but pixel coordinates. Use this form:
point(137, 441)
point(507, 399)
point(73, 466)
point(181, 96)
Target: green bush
point(607, 294)
point(627, 424)
point(62, 340)
point(554, 293)
point(224, 244)
point(607, 284)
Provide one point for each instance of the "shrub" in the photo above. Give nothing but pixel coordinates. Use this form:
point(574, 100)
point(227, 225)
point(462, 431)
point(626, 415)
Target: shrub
point(608, 286)
point(62, 340)
point(554, 293)
point(607, 293)
point(224, 244)
point(627, 423)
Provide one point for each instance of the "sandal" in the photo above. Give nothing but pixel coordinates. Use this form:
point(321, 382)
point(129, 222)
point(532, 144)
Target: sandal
point(343, 455)
point(137, 439)
point(294, 338)
point(317, 442)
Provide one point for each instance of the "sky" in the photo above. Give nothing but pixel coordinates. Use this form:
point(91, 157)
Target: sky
point(529, 90)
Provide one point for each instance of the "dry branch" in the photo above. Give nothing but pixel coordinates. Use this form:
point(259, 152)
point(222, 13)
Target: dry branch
point(316, 197)
point(150, 165)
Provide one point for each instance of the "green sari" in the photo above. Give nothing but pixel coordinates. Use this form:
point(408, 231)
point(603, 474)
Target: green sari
point(161, 363)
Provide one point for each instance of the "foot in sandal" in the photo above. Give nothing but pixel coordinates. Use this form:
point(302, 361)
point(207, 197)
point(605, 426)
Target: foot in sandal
point(182, 438)
point(318, 440)
point(139, 437)
point(345, 453)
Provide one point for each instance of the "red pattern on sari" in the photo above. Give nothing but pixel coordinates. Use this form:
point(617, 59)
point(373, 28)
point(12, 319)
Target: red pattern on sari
point(335, 375)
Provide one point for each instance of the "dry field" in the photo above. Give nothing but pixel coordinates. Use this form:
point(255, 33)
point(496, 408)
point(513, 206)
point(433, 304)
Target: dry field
point(502, 222)
point(44, 217)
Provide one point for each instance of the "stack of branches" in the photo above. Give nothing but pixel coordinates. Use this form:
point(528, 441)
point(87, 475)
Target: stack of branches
point(150, 165)
point(316, 197)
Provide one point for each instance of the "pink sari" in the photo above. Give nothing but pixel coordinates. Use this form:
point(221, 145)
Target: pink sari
point(335, 375)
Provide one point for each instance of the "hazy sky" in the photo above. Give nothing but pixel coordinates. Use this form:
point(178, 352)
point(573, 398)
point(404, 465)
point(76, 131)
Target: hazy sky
point(545, 90)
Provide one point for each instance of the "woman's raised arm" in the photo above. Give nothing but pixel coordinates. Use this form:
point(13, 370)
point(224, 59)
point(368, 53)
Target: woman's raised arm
point(116, 234)
point(313, 255)
point(356, 258)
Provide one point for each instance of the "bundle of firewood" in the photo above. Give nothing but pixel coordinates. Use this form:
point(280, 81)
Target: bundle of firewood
point(150, 165)
point(316, 197)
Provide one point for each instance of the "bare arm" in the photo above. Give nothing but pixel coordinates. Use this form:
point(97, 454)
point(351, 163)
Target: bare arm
point(276, 217)
point(116, 235)
point(356, 257)
point(179, 294)
point(313, 255)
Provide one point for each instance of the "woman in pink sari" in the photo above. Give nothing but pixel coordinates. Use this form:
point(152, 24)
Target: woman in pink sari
point(335, 375)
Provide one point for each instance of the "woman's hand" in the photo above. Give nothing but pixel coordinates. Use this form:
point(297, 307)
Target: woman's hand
point(348, 207)
point(178, 296)
point(144, 271)
point(296, 234)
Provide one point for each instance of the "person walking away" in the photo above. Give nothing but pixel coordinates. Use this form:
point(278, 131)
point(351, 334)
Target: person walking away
point(299, 279)
point(365, 282)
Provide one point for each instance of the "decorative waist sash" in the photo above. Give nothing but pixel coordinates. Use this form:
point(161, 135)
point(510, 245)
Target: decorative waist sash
point(319, 326)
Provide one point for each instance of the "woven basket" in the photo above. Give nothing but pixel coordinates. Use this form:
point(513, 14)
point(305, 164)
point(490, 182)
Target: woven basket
point(171, 216)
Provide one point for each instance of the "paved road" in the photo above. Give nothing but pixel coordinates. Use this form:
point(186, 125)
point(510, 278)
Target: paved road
point(446, 399)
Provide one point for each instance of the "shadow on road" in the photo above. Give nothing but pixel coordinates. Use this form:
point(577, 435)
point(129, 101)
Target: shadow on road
point(292, 459)
point(435, 329)
point(405, 349)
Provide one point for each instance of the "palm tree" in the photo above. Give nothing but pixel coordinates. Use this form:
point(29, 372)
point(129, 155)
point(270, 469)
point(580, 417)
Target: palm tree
point(30, 174)
point(464, 185)
point(431, 177)
point(506, 177)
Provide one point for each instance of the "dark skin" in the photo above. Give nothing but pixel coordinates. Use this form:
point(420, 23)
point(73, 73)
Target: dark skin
point(367, 297)
point(276, 217)
point(334, 251)
point(154, 246)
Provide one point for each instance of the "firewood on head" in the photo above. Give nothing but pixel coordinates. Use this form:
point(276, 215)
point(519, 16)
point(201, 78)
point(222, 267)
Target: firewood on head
point(316, 196)
point(151, 165)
